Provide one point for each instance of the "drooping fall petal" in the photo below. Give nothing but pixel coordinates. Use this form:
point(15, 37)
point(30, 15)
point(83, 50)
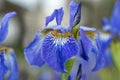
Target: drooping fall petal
point(57, 48)
point(33, 53)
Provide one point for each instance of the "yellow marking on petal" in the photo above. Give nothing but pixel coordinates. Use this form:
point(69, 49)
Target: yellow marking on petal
point(58, 34)
point(45, 31)
point(105, 33)
point(6, 49)
point(91, 34)
point(67, 34)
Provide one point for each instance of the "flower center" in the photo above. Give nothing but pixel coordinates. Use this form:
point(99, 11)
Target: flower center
point(60, 38)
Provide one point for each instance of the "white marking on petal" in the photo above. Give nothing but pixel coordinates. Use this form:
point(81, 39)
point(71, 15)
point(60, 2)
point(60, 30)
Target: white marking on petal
point(60, 41)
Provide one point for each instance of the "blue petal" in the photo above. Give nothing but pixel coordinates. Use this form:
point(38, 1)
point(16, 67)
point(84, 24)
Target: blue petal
point(85, 44)
point(75, 13)
point(58, 14)
point(100, 61)
point(4, 25)
point(116, 8)
point(115, 18)
point(11, 64)
point(33, 53)
point(57, 50)
point(3, 68)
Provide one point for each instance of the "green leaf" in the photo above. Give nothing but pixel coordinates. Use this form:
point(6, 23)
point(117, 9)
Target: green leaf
point(75, 31)
point(69, 65)
point(115, 49)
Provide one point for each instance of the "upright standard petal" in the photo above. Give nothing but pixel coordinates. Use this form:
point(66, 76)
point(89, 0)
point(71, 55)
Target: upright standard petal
point(115, 18)
point(75, 13)
point(100, 61)
point(33, 53)
point(57, 48)
point(4, 25)
point(10, 62)
point(58, 14)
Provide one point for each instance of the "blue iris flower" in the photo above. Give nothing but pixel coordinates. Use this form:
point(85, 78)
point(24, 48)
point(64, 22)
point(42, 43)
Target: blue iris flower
point(8, 61)
point(54, 44)
point(90, 45)
point(114, 24)
point(90, 52)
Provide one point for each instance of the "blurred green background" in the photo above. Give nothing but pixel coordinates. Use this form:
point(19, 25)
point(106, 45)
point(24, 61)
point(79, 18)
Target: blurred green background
point(31, 16)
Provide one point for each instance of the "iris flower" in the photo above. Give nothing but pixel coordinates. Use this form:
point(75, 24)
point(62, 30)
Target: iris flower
point(90, 46)
point(54, 44)
point(8, 63)
point(90, 57)
point(113, 25)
